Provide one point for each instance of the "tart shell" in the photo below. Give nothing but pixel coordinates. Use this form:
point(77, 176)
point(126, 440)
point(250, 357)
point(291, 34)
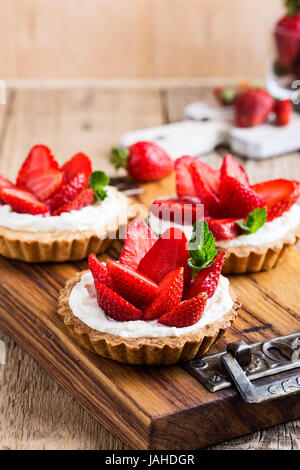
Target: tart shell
point(38, 247)
point(143, 351)
point(253, 259)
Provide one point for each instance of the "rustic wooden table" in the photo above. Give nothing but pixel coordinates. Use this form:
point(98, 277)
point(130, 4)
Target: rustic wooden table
point(35, 413)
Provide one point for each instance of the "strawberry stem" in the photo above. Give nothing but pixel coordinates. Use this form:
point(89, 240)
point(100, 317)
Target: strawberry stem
point(119, 157)
point(292, 6)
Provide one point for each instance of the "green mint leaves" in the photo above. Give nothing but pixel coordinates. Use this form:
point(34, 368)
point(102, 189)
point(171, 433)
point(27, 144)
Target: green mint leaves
point(98, 180)
point(254, 220)
point(119, 157)
point(201, 248)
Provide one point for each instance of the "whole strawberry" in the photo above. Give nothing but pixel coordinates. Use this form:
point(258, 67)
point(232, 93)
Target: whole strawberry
point(287, 34)
point(252, 107)
point(144, 161)
point(283, 110)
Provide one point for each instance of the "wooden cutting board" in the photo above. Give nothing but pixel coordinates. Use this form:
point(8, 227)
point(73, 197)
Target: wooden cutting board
point(151, 407)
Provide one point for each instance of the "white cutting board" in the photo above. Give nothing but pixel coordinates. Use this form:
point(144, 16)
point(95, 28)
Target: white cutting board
point(209, 125)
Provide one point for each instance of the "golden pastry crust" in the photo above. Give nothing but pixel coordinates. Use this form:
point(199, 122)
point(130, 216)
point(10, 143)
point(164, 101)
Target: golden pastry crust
point(37, 247)
point(252, 259)
point(147, 351)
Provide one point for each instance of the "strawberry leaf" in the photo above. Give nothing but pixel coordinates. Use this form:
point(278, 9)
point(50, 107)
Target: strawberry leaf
point(98, 180)
point(119, 157)
point(254, 221)
point(292, 6)
point(201, 248)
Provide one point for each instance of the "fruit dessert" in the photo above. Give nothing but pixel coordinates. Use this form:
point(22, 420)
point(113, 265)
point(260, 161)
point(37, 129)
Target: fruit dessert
point(54, 213)
point(256, 225)
point(164, 301)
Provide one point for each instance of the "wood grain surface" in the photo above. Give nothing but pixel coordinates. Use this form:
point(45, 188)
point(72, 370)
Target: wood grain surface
point(34, 411)
point(136, 38)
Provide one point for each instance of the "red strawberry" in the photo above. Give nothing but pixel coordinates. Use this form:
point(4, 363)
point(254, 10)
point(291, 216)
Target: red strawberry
point(22, 201)
point(115, 306)
point(171, 288)
point(44, 182)
point(181, 211)
point(79, 163)
point(238, 200)
point(68, 191)
point(283, 111)
point(230, 167)
point(144, 161)
point(99, 271)
point(223, 229)
point(252, 107)
point(4, 183)
point(278, 195)
point(139, 239)
point(134, 287)
point(187, 313)
point(168, 252)
point(40, 157)
point(206, 280)
point(82, 199)
point(184, 182)
point(206, 183)
point(287, 36)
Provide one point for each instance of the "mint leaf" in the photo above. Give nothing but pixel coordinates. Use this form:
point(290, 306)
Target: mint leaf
point(201, 248)
point(98, 180)
point(254, 220)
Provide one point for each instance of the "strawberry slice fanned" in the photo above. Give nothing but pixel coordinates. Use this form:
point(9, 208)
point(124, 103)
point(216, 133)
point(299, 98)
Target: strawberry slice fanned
point(67, 192)
point(22, 201)
point(206, 280)
point(139, 239)
point(82, 199)
point(181, 211)
point(114, 305)
point(168, 252)
point(206, 182)
point(171, 288)
point(278, 195)
point(79, 163)
point(44, 182)
point(99, 271)
point(184, 182)
point(224, 229)
point(187, 313)
point(40, 157)
point(132, 286)
point(237, 199)
point(230, 167)
point(5, 183)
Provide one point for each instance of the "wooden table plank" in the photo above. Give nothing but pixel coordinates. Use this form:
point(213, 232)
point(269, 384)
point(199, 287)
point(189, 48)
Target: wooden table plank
point(92, 120)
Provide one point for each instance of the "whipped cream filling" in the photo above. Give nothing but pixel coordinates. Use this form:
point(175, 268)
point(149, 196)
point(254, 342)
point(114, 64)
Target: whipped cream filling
point(83, 303)
point(270, 232)
point(93, 217)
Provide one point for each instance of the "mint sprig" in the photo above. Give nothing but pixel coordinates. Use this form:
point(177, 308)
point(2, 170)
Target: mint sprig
point(98, 180)
point(254, 220)
point(201, 248)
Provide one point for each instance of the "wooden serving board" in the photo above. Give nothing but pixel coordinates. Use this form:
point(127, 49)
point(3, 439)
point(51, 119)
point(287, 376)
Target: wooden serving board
point(150, 407)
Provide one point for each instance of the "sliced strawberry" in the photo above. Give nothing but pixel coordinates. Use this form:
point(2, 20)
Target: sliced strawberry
point(168, 252)
point(134, 287)
point(181, 211)
point(68, 191)
point(44, 182)
point(5, 183)
point(206, 280)
point(223, 229)
point(99, 271)
point(171, 288)
point(237, 199)
point(184, 182)
point(139, 239)
point(278, 195)
point(187, 313)
point(206, 183)
point(82, 199)
point(22, 201)
point(230, 167)
point(79, 163)
point(39, 157)
point(115, 306)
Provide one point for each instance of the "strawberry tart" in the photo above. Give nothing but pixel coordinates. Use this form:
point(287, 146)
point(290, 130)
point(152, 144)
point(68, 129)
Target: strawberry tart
point(164, 301)
point(57, 213)
point(255, 225)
